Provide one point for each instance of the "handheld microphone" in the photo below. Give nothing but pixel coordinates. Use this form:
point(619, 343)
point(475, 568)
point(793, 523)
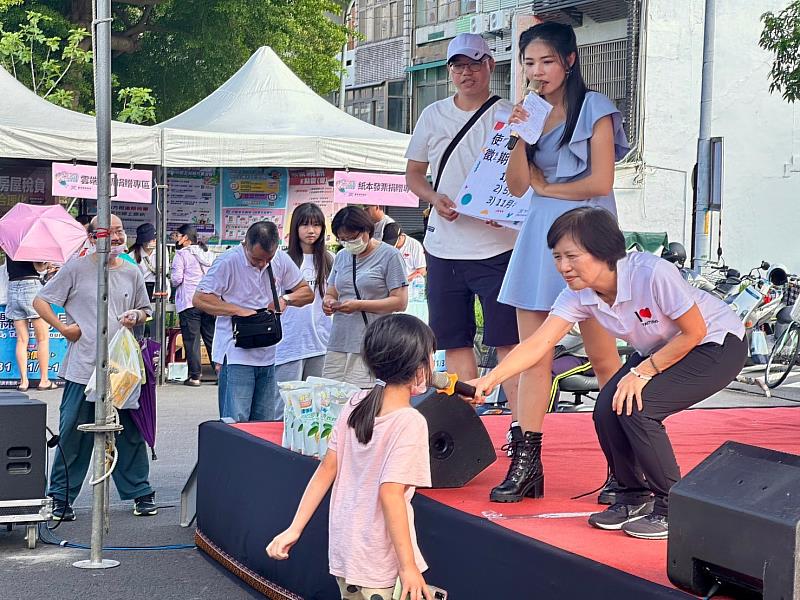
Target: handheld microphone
point(533, 86)
point(448, 384)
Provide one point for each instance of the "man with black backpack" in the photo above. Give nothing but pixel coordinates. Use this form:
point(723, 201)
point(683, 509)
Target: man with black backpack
point(466, 257)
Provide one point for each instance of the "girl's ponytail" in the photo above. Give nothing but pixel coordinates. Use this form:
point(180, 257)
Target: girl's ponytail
point(362, 419)
point(395, 348)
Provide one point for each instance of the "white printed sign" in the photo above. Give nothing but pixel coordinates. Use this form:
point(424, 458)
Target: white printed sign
point(485, 194)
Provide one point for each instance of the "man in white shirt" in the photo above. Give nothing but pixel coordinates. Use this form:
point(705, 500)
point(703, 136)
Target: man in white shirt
point(238, 284)
point(467, 257)
point(379, 220)
point(412, 251)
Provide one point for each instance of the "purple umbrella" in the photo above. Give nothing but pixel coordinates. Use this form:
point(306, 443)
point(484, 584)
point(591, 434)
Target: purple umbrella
point(145, 415)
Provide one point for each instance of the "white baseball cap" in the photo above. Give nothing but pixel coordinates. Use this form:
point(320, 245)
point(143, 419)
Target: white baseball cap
point(470, 45)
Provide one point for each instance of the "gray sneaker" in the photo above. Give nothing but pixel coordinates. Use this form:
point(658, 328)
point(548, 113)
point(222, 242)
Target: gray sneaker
point(650, 527)
point(616, 515)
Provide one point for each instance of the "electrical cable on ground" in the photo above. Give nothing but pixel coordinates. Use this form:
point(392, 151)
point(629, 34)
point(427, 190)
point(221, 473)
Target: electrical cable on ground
point(45, 534)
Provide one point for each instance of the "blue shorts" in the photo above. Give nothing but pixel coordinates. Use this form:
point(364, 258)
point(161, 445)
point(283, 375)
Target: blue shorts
point(20, 299)
point(452, 287)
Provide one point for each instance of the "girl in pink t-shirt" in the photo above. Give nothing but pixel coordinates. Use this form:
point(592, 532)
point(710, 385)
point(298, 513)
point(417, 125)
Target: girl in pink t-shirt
point(377, 456)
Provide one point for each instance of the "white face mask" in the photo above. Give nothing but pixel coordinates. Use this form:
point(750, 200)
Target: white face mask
point(420, 385)
point(120, 248)
point(356, 246)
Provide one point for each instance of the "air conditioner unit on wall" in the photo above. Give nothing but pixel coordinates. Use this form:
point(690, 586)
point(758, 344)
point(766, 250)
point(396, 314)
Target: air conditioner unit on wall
point(499, 19)
point(478, 23)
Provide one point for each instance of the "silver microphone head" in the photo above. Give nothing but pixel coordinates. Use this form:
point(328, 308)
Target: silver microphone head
point(534, 85)
point(440, 380)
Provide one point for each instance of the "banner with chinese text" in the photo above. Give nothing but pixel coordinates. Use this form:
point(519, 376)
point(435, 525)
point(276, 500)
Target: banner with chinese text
point(350, 187)
point(80, 181)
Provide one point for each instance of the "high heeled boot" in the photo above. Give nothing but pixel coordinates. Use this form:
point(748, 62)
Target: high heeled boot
point(525, 474)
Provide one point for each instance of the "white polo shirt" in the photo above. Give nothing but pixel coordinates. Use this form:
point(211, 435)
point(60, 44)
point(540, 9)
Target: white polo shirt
point(235, 280)
point(413, 255)
point(651, 295)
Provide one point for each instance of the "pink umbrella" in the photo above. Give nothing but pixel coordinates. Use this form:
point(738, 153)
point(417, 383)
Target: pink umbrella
point(40, 233)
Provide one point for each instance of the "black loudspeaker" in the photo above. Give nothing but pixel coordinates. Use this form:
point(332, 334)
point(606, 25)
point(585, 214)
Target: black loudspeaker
point(22, 447)
point(736, 518)
point(460, 446)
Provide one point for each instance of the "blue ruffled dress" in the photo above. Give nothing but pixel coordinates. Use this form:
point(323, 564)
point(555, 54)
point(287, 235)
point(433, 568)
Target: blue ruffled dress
point(532, 281)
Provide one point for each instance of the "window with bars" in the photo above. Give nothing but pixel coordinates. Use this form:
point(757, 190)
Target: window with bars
point(604, 68)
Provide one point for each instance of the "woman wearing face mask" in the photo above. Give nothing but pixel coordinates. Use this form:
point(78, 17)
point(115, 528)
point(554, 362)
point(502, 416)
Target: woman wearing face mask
point(191, 262)
point(571, 165)
point(368, 279)
point(143, 253)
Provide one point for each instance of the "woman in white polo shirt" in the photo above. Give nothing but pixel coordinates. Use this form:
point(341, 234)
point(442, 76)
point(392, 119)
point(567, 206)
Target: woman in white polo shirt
point(689, 345)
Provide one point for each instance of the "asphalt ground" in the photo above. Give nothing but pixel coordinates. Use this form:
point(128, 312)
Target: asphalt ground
point(184, 574)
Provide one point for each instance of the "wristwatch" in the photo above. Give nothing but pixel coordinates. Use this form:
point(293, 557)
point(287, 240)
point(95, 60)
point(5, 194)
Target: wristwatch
point(286, 299)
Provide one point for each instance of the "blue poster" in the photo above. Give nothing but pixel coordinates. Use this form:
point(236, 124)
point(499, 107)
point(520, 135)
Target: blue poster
point(256, 187)
point(250, 195)
point(9, 372)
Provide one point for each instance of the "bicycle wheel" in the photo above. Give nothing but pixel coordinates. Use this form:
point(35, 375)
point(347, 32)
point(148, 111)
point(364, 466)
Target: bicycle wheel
point(783, 357)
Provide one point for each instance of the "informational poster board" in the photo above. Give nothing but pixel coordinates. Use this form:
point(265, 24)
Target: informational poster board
point(192, 199)
point(133, 215)
point(250, 195)
point(21, 183)
point(9, 372)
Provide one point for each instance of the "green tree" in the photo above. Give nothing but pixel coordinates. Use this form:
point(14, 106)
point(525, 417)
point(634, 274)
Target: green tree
point(42, 61)
point(781, 36)
point(200, 43)
point(59, 70)
point(184, 49)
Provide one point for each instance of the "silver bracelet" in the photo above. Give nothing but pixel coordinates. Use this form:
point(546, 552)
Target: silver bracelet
point(635, 371)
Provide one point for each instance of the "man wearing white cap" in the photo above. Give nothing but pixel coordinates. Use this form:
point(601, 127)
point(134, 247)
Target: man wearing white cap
point(467, 257)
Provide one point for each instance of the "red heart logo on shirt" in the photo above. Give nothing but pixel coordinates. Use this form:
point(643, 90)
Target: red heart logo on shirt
point(645, 313)
point(499, 125)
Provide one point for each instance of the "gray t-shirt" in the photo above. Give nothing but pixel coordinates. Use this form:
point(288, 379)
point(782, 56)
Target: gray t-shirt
point(376, 276)
point(75, 288)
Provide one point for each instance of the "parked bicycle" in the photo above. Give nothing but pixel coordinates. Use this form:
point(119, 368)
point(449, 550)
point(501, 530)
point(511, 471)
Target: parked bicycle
point(783, 356)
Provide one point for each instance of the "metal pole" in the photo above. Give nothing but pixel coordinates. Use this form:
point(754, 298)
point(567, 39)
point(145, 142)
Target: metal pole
point(701, 246)
point(101, 429)
point(343, 74)
point(162, 268)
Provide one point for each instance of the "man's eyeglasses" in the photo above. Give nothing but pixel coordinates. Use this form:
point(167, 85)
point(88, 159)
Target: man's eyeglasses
point(473, 67)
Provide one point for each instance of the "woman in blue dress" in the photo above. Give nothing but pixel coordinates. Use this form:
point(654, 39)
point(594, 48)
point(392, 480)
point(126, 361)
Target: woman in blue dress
point(572, 165)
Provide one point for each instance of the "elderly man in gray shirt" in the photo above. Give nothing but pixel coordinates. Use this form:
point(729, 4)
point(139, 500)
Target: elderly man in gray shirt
point(75, 288)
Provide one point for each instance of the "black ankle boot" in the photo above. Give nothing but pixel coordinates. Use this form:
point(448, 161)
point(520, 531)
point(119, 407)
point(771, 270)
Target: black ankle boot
point(525, 475)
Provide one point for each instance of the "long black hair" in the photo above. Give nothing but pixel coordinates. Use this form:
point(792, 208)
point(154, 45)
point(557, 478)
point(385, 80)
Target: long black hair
point(395, 348)
point(561, 38)
point(309, 213)
point(190, 231)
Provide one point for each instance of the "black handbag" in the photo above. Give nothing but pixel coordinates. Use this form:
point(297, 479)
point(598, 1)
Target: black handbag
point(262, 329)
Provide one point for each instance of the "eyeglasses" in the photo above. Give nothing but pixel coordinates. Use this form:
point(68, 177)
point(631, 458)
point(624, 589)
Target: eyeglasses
point(473, 67)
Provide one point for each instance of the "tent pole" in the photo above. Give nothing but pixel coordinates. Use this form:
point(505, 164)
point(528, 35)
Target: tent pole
point(161, 267)
point(103, 431)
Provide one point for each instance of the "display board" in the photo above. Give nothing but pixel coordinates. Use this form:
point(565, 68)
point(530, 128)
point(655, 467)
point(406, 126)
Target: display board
point(9, 372)
point(250, 195)
point(192, 198)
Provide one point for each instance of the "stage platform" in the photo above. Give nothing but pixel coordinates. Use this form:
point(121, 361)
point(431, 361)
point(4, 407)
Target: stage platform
point(249, 487)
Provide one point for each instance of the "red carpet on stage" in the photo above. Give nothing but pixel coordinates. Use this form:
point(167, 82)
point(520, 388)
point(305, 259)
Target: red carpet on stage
point(574, 464)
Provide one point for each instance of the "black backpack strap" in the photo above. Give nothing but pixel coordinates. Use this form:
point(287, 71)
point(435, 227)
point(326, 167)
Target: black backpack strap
point(358, 294)
point(460, 135)
point(275, 300)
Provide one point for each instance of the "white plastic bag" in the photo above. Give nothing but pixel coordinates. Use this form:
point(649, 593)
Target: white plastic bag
point(125, 372)
point(3, 284)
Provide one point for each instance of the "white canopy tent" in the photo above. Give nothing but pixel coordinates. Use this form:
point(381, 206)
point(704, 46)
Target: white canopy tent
point(33, 128)
point(264, 115)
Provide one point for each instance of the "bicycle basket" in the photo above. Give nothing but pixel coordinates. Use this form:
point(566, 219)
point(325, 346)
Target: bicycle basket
point(793, 298)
